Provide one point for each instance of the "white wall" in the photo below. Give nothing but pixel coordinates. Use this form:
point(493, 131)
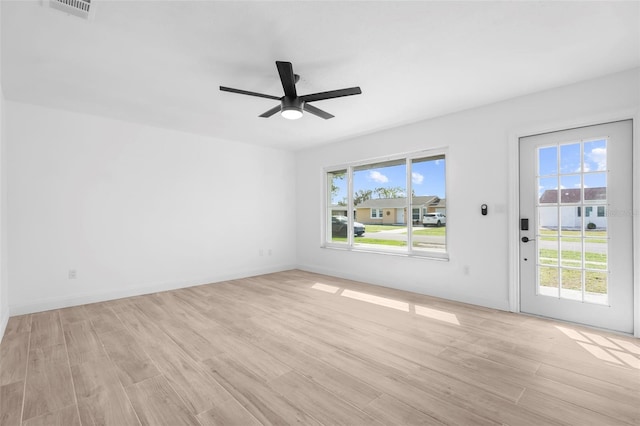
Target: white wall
point(4, 291)
point(135, 209)
point(478, 172)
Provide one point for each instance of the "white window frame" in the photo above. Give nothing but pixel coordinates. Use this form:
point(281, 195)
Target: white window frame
point(349, 167)
point(379, 215)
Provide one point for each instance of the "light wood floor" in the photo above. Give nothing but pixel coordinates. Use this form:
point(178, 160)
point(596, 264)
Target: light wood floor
point(296, 347)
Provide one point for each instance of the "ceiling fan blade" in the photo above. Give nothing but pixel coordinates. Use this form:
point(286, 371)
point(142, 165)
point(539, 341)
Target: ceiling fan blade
point(270, 112)
point(331, 94)
point(317, 111)
point(288, 78)
point(246, 92)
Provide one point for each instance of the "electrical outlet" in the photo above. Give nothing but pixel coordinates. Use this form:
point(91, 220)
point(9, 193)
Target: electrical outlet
point(73, 274)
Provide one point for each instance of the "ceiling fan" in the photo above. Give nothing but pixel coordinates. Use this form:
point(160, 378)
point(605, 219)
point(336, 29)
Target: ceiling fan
point(292, 105)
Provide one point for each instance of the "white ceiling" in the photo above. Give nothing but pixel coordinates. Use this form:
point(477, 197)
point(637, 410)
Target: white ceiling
point(161, 62)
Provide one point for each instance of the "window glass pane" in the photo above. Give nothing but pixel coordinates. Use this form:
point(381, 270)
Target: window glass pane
point(337, 221)
point(380, 202)
point(429, 232)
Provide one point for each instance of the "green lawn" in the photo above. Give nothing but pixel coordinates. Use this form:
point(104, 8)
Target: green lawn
point(574, 236)
point(378, 228)
point(595, 282)
point(433, 231)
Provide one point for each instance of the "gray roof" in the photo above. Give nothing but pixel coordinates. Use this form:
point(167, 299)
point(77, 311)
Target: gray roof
point(397, 203)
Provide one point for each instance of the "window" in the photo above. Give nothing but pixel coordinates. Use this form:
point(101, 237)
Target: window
point(587, 211)
point(390, 199)
point(600, 211)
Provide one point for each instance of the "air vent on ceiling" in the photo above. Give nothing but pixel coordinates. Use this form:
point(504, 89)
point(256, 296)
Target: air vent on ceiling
point(81, 8)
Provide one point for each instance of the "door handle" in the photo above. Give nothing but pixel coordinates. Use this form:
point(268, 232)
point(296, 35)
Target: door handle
point(527, 239)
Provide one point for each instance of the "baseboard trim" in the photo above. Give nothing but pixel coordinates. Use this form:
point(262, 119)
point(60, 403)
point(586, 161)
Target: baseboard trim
point(83, 299)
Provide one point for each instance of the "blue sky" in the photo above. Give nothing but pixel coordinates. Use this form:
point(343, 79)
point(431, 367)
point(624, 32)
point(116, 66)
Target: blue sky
point(592, 162)
point(428, 178)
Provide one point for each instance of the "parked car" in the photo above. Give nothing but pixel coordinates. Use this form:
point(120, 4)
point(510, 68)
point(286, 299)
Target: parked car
point(435, 219)
point(340, 224)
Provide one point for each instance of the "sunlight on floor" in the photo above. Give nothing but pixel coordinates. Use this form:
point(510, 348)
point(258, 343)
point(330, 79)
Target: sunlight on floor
point(377, 300)
point(423, 311)
point(327, 288)
point(609, 349)
point(437, 314)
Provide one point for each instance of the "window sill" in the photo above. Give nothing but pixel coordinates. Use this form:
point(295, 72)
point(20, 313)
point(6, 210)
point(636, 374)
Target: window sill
point(441, 257)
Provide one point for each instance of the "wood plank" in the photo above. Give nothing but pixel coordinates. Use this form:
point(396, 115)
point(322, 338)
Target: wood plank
point(18, 324)
point(73, 314)
point(83, 343)
point(67, 416)
point(391, 411)
point(48, 387)
point(563, 411)
point(231, 413)
point(46, 329)
point(156, 403)
point(101, 397)
point(13, 358)
point(318, 402)
point(103, 319)
point(11, 403)
point(132, 362)
point(267, 406)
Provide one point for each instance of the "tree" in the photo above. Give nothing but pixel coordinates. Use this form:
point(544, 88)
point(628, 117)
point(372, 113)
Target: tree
point(391, 192)
point(335, 189)
point(361, 196)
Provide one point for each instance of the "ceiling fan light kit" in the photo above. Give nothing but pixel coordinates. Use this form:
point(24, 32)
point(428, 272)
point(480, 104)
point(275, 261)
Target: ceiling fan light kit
point(290, 109)
point(292, 105)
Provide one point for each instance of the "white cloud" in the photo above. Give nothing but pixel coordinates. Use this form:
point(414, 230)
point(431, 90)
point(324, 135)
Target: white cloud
point(417, 178)
point(376, 176)
point(599, 157)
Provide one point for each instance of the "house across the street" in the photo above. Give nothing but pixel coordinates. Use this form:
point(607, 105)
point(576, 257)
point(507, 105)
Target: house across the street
point(393, 211)
point(571, 216)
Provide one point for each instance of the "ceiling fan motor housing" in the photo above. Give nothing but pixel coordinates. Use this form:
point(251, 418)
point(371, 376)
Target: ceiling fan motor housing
point(289, 103)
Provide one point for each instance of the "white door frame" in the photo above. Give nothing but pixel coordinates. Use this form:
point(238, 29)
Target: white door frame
point(513, 219)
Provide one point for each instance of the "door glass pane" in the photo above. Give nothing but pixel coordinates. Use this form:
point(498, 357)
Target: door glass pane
point(430, 225)
point(595, 156)
point(596, 287)
point(548, 281)
point(571, 284)
point(570, 189)
point(548, 251)
point(548, 161)
point(571, 252)
point(571, 221)
point(337, 221)
point(570, 158)
point(548, 190)
point(595, 186)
